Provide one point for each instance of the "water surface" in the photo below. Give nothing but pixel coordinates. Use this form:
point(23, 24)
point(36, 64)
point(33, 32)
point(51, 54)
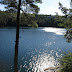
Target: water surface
point(39, 48)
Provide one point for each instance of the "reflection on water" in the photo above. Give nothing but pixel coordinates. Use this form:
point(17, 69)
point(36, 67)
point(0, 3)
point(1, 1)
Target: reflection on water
point(48, 44)
point(41, 61)
point(39, 49)
point(44, 61)
point(58, 31)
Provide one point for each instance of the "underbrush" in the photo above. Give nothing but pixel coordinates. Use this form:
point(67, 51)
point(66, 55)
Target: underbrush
point(66, 63)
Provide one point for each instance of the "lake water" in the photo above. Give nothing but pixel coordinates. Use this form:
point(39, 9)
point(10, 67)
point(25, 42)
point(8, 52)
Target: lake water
point(39, 48)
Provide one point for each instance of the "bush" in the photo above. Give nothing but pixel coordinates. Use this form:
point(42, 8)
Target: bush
point(66, 63)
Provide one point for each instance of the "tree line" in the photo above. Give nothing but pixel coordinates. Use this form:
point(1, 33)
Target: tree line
point(47, 21)
point(8, 19)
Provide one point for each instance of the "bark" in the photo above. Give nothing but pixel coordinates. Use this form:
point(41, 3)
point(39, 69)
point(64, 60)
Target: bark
point(17, 40)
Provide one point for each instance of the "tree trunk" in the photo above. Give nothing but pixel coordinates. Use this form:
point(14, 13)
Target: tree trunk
point(17, 40)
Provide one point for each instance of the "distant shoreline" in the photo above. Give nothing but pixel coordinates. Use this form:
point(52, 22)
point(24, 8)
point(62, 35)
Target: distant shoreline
point(27, 27)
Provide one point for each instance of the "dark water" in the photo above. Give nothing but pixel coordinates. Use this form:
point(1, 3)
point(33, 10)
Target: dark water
point(38, 49)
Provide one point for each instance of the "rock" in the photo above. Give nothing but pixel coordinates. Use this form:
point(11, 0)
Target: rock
point(52, 69)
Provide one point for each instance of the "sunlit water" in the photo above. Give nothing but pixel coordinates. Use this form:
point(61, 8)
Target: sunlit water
point(39, 48)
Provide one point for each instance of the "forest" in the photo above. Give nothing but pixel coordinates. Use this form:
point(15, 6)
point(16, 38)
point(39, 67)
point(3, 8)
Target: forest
point(8, 19)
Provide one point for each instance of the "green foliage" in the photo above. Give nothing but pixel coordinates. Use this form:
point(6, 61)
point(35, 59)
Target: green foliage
point(63, 9)
point(68, 35)
point(60, 20)
point(6, 18)
point(66, 63)
point(9, 19)
point(27, 19)
point(46, 21)
point(27, 6)
point(65, 21)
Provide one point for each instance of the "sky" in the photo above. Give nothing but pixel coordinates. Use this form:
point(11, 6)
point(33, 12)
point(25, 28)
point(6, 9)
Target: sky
point(49, 6)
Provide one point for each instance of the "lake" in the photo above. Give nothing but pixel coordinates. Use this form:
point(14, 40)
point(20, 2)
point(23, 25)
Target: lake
point(39, 48)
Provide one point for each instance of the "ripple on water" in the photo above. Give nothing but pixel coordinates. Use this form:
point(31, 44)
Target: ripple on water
point(40, 62)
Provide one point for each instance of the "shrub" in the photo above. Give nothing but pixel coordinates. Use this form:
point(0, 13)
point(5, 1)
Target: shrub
point(66, 63)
